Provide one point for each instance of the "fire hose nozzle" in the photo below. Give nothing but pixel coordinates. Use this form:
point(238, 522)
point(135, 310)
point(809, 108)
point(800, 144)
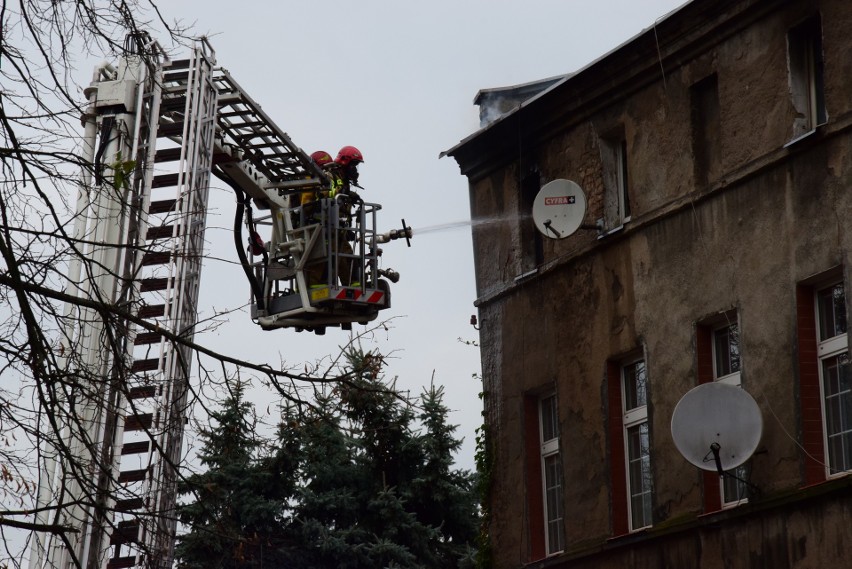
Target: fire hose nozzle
point(394, 234)
point(390, 274)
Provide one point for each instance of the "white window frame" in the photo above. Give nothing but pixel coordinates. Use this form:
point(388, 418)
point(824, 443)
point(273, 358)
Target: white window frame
point(550, 454)
point(733, 378)
point(632, 418)
point(827, 349)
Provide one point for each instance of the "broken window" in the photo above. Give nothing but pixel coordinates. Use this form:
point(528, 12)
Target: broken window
point(804, 44)
point(616, 181)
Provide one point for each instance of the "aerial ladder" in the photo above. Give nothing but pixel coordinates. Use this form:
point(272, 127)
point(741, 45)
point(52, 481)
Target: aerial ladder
point(155, 131)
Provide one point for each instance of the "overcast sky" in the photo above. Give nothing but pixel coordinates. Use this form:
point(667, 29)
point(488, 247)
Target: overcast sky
point(397, 80)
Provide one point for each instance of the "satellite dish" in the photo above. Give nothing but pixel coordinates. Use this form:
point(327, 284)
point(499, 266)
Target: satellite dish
point(717, 414)
point(559, 208)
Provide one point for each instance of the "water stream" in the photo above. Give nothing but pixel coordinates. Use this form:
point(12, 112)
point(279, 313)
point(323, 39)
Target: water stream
point(482, 222)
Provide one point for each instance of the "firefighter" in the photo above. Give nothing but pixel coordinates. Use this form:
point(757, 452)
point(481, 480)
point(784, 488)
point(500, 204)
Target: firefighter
point(346, 167)
point(344, 173)
point(315, 272)
point(322, 159)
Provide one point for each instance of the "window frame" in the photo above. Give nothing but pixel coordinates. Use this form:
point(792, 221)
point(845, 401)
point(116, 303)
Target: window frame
point(550, 453)
point(828, 349)
point(728, 484)
point(632, 418)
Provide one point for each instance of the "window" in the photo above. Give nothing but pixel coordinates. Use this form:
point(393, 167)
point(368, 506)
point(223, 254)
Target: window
point(726, 354)
point(835, 377)
point(804, 45)
point(719, 359)
point(551, 467)
point(706, 139)
point(726, 369)
point(638, 448)
point(614, 157)
point(532, 244)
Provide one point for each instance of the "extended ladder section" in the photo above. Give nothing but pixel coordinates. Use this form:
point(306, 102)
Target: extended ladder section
point(320, 262)
point(141, 218)
point(254, 152)
point(167, 277)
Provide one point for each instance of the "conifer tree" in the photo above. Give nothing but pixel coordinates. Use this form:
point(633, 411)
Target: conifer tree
point(441, 496)
point(356, 481)
point(237, 513)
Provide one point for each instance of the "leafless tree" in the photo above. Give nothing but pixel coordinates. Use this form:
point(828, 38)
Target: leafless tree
point(49, 395)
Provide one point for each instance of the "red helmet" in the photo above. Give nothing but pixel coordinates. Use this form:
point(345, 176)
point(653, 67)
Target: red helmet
point(347, 154)
point(321, 157)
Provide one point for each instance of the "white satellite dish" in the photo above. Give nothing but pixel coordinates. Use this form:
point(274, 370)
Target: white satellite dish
point(559, 208)
point(717, 414)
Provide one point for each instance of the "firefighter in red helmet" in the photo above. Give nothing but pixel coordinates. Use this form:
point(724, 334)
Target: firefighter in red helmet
point(322, 159)
point(345, 174)
point(347, 167)
point(315, 270)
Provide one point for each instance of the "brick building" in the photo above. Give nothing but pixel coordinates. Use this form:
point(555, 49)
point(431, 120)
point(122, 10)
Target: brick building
point(715, 151)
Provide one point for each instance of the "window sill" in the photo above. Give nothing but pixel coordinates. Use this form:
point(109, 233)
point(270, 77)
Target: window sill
point(607, 232)
point(525, 276)
point(804, 136)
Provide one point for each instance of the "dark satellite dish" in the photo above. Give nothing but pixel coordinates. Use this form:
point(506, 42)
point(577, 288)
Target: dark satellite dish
point(717, 414)
point(559, 208)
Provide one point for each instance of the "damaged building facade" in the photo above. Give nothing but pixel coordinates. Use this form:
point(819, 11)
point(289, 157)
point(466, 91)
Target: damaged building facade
point(715, 152)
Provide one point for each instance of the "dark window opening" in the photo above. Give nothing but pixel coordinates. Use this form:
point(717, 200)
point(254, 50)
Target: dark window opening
point(531, 239)
point(706, 145)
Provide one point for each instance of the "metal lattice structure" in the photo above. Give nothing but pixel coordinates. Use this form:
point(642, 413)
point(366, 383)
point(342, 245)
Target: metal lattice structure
point(145, 244)
point(156, 130)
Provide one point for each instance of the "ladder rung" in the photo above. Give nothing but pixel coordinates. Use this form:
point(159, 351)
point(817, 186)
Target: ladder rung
point(145, 365)
point(162, 206)
point(159, 232)
point(138, 422)
point(129, 504)
point(178, 64)
point(175, 76)
point(142, 391)
point(132, 475)
point(136, 447)
point(125, 532)
point(165, 180)
point(122, 562)
point(152, 311)
point(167, 154)
point(170, 129)
point(177, 103)
point(154, 284)
point(145, 338)
point(154, 258)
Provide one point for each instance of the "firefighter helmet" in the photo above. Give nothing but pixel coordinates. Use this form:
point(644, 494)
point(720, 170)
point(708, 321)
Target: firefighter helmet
point(349, 154)
point(321, 157)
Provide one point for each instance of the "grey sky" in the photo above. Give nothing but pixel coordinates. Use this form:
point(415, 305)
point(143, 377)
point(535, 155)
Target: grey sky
point(397, 80)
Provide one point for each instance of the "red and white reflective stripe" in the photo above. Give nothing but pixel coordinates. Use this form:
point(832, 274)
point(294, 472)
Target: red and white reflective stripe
point(375, 297)
point(348, 294)
point(356, 295)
